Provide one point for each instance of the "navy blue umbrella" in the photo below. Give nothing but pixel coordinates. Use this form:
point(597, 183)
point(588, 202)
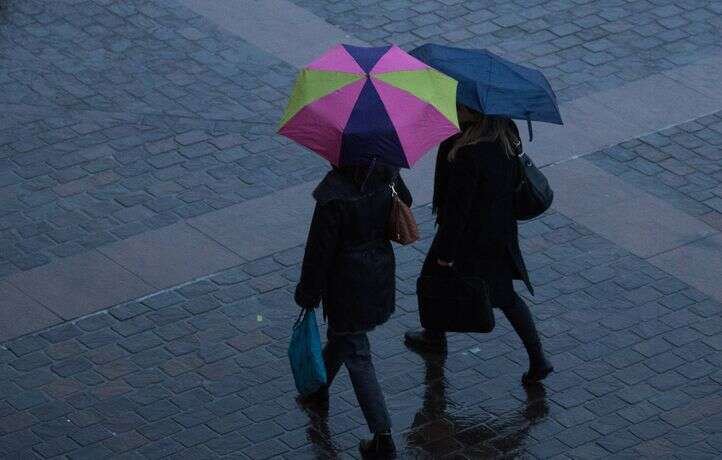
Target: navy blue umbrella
point(493, 85)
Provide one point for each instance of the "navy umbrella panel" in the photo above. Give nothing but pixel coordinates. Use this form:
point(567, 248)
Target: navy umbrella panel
point(493, 85)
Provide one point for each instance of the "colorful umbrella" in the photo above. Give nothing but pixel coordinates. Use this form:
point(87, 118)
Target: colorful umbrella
point(354, 105)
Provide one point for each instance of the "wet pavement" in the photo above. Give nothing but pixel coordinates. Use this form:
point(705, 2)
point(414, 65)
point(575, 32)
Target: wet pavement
point(200, 371)
point(681, 165)
point(119, 118)
point(138, 161)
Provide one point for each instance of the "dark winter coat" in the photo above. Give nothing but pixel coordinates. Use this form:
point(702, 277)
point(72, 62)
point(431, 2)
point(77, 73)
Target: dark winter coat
point(349, 263)
point(473, 196)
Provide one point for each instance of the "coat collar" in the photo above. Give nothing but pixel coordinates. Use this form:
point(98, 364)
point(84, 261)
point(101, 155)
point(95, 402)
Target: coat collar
point(336, 186)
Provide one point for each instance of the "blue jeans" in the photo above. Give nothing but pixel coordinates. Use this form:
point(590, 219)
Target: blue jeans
point(354, 351)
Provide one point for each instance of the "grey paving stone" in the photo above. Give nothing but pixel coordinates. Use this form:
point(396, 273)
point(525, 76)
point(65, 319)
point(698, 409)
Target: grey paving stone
point(160, 449)
point(693, 196)
point(646, 216)
point(704, 273)
point(21, 313)
point(271, 18)
point(630, 99)
point(699, 76)
point(240, 228)
point(206, 398)
point(56, 447)
point(112, 145)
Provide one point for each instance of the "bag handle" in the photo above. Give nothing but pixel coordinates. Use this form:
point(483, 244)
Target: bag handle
point(393, 184)
point(301, 316)
point(393, 189)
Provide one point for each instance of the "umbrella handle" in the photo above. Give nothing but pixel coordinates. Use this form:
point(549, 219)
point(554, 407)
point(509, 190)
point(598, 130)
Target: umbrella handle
point(528, 126)
point(368, 173)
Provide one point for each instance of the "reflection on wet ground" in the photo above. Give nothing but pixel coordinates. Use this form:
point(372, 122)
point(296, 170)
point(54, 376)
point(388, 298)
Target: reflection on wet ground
point(442, 426)
point(468, 431)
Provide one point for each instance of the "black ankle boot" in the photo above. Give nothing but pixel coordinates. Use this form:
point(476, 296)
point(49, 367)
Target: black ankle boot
point(426, 340)
point(539, 365)
point(380, 447)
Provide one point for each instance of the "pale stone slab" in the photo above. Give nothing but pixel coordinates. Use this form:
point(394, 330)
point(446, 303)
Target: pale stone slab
point(21, 314)
point(698, 264)
point(582, 188)
point(279, 27)
point(79, 285)
point(556, 143)
point(262, 226)
point(420, 178)
point(645, 226)
point(657, 102)
point(171, 255)
point(704, 76)
point(622, 213)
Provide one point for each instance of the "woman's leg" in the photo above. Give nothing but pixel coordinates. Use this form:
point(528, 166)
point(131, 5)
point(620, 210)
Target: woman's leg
point(365, 385)
point(357, 358)
point(521, 320)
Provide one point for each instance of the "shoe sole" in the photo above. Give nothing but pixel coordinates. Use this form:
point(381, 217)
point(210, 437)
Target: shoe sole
point(538, 378)
point(378, 456)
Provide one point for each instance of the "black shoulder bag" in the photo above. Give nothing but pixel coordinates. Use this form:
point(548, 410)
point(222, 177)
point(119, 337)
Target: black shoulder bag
point(533, 195)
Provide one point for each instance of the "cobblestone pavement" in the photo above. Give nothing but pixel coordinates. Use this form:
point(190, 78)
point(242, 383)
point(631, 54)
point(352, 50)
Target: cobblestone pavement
point(120, 117)
point(681, 164)
point(200, 371)
point(582, 45)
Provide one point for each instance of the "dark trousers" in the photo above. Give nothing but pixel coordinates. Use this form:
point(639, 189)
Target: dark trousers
point(354, 351)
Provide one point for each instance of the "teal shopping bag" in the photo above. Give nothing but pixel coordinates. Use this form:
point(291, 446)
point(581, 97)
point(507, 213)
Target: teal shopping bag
point(304, 353)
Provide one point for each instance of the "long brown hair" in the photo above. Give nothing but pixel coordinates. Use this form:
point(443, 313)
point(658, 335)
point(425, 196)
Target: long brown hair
point(481, 128)
point(476, 128)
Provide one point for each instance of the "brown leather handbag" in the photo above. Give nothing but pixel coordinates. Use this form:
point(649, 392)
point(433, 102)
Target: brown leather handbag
point(401, 226)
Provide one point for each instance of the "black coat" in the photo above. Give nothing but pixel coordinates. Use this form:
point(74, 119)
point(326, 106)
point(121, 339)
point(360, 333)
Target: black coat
point(476, 225)
point(349, 263)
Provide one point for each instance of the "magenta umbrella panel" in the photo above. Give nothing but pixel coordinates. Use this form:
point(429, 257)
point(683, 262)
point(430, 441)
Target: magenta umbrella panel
point(356, 105)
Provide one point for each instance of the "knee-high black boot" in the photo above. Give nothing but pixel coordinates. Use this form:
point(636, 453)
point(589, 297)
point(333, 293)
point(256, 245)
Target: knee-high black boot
point(521, 320)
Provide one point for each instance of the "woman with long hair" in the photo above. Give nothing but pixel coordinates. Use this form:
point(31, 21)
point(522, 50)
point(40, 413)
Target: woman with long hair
point(477, 235)
point(349, 265)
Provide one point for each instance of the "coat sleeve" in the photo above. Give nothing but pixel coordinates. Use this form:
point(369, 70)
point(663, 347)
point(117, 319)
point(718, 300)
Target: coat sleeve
point(321, 246)
point(462, 182)
point(403, 191)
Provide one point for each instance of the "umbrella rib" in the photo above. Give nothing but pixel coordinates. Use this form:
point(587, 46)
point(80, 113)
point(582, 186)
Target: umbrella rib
point(511, 69)
point(488, 78)
point(518, 74)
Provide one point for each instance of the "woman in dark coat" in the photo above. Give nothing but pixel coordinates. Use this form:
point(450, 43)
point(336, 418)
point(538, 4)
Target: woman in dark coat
point(477, 235)
point(349, 266)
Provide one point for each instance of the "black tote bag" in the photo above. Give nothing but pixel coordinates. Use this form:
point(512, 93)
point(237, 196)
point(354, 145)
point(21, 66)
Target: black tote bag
point(454, 303)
